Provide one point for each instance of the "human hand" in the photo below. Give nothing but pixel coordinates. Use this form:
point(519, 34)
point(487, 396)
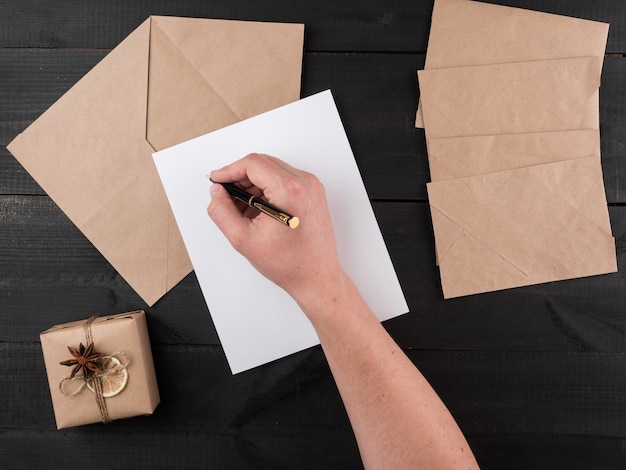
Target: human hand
point(303, 261)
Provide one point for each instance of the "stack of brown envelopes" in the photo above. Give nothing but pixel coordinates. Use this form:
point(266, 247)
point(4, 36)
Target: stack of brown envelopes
point(509, 104)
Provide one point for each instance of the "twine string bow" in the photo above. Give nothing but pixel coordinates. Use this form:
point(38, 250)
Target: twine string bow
point(73, 385)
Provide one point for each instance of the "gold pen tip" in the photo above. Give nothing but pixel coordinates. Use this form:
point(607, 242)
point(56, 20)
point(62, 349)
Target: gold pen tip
point(293, 222)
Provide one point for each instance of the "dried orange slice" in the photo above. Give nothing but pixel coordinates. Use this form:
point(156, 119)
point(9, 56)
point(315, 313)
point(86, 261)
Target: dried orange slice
point(113, 382)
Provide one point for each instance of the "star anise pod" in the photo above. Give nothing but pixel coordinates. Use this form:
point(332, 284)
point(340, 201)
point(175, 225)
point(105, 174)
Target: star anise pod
point(84, 359)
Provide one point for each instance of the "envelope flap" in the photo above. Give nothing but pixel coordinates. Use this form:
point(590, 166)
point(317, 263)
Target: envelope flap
point(135, 226)
point(207, 74)
point(510, 98)
point(80, 173)
point(520, 214)
point(116, 199)
point(109, 97)
point(181, 103)
point(473, 267)
point(446, 232)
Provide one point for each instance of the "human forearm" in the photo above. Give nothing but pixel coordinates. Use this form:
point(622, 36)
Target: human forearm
point(398, 419)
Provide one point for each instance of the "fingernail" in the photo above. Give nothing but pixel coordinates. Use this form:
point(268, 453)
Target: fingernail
point(214, 189)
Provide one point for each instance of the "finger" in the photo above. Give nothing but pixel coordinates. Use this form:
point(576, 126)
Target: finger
point(249, 187)
point(252, 170)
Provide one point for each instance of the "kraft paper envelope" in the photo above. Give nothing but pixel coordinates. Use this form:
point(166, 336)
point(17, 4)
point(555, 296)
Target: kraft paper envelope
point(170, 80)
point(539, 96)
point(457, 157)
point(467, 33)
point(523, 226)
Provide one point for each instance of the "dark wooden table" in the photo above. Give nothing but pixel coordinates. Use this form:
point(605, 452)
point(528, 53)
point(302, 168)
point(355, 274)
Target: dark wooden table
point(536, 376)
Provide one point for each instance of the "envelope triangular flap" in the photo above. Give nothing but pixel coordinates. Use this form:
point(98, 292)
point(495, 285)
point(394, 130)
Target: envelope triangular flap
point(232, 70)
point(126, 234)
point(181, 103)
point(507, 243)
point(520, 214)
point(446, 233)
point(76, 149)
point(473, 268)
point(108, 97)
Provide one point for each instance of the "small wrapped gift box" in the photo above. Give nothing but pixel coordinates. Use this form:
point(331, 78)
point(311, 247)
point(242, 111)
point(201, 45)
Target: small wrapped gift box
point(100, 369)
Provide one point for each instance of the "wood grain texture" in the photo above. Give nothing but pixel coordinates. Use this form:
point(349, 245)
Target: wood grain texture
point(535, 376)
point(388, 25)
point(51, 274)
point(282, 414)
point(349, 25)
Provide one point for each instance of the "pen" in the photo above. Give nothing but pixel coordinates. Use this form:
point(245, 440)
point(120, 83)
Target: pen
point(259, 204)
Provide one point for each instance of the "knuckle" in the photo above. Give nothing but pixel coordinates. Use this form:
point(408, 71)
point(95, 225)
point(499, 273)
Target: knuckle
point(314, 181)
point(304, 186)
point(290, 182)
point(315, 185)
point(294, 186)
point(254, 158)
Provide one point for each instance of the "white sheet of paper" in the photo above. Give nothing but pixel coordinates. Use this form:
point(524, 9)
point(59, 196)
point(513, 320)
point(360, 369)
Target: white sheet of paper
point(257, 322)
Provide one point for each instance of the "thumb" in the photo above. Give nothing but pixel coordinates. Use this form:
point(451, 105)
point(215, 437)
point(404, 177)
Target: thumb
point(224, 213)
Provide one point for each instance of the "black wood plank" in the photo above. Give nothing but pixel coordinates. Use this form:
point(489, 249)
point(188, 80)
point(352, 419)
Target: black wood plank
point(349, 25)
point(376, 95)
point(288, 414)
point(549, 452)
point(206, 418)
point(528, 393)
point(49, 273)
point(353, 25)
point(535, 376)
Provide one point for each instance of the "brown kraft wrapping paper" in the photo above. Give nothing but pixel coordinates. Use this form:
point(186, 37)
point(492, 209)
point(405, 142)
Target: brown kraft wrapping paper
point(124, 335)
